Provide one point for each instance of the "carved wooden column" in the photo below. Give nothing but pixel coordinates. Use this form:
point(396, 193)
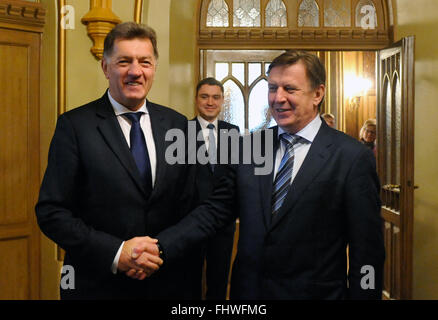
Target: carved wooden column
point(99, 21)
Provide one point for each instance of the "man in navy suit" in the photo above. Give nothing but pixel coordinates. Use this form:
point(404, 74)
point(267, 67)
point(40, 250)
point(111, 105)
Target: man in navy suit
point(217, 252)
point(107, 184)
point(297, 221)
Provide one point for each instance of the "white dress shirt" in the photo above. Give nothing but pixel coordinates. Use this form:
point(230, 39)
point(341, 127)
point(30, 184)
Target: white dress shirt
point(301, 149)
point(206, 131)
point(125, 125)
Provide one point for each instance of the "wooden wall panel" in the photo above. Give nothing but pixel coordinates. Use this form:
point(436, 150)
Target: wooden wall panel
point(19, 163)
point(14, 282)
point(13, 136)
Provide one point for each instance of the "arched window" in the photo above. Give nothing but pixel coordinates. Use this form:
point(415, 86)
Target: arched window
point(397, 102)
point(366, 16)
point(246, 13)
point(259, 117)
point(308, 15)
point(388, 125)
point(232, 110)
point(245, 85)
point(217, 14)
point(276, 15)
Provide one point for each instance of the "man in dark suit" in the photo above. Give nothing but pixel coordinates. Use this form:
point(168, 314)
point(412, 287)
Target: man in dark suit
point(297, 221)
point(217, 252)
point(107, 184)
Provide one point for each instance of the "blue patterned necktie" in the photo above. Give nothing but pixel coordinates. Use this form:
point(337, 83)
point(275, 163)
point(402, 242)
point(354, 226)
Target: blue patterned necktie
point(284, 174)
point(211, 146)
point(139, 149)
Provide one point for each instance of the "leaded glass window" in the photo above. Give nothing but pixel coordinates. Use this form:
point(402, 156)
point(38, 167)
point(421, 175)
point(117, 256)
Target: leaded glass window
point(238, 72)
point(366, 16)
point(337, 13)
point(308, 15)
point(254, 71)
point(233, 109)
point(276, 14)
point(221, 70)
point(246, 13)
point(388, 133)
point(259, 116)
point(398, 129)
point(217, 14)
point(243, 73)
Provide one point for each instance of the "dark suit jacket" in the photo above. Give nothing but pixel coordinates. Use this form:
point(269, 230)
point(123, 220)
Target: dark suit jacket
point(218, 250)
point(92, 199)
point(204, 174)
point(333, 202)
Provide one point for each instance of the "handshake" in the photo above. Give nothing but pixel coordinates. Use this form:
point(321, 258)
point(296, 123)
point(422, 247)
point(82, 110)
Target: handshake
point(139, 258)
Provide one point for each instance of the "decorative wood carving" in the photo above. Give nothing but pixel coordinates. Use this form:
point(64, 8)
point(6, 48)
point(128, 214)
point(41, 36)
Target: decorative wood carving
point(295, 37)
point(22, 15)
point(99, 21)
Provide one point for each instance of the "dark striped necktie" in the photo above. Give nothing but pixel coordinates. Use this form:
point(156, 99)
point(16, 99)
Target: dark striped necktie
point(284, 174)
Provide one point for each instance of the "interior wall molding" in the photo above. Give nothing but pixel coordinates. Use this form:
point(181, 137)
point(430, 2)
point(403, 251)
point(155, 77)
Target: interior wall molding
point(22, 15)
point(100, 20)
point(61, 60)
point(317, 39)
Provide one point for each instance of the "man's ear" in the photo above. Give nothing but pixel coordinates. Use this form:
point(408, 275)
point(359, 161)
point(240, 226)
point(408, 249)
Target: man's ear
point(319, 94)
point(104, 65)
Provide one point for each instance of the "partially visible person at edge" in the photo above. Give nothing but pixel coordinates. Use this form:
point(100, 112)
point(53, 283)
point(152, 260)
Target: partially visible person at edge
point(368, 134)
point(329, 119)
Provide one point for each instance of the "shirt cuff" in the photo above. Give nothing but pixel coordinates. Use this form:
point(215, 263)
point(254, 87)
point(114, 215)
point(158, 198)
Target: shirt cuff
point(116, 259)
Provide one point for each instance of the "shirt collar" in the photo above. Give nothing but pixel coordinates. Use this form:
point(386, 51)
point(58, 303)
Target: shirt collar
point(120, 109)
point(308, 132)
point(204, 123)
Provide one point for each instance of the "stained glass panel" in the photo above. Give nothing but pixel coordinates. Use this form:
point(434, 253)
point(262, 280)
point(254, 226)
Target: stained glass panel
point(238, 71)
point(388, 133)
point(246, 13)
point(337, 13)
point(276, 14)
point(221, 71)
point(233, 110)
point(366, 17)
point(217, 14)
point(398, 129)
point(308, 15)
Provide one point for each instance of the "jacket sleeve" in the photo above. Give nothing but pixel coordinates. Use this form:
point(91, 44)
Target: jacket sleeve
point(365, 229)
point(57, 208)
point(204, 221)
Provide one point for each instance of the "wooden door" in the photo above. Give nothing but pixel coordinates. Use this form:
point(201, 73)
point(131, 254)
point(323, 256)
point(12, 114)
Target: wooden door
point(19, 164)
point(395, 163)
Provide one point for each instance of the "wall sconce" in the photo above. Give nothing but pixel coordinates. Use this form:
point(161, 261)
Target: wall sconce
point(354, 102)
point(99, 21)
point(354, 89)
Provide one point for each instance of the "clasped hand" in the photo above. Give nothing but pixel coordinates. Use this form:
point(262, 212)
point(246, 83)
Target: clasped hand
point(140, 258)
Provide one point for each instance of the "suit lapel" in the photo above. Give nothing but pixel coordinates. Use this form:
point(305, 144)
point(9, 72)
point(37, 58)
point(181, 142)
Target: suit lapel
point(319, 152)
point(110, 129)
point(266, 181)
